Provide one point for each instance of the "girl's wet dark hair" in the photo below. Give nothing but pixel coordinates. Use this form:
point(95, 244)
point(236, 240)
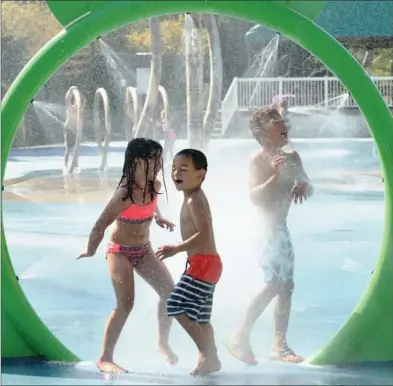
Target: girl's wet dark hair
point(144, 149)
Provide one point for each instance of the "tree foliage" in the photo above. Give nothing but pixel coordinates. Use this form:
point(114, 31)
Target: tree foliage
point(28, 20)
point(28, 25)
point(171, 33)
point(382, 63)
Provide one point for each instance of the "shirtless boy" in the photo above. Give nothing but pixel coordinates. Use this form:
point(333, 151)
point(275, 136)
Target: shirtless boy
point(277, 179)
point(191, 301)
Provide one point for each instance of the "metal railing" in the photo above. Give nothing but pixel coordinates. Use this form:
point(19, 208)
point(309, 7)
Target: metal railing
point(246, 93)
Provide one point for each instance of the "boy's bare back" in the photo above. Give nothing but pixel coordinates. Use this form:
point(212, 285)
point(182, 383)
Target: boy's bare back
point(195, 212)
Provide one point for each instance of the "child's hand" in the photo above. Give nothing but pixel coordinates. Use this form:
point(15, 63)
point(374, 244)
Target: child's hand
point(277, 162)
point(300, 192)
point(161, 222)
point(85, 253)
point(166, 251)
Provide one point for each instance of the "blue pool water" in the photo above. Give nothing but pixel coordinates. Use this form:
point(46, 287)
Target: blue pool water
point(337, 235)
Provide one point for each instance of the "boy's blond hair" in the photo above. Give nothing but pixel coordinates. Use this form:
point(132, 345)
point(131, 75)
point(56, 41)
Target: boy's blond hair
point(261, 118)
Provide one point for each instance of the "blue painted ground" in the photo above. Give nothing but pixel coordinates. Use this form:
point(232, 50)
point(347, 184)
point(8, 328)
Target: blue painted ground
point(337, 236)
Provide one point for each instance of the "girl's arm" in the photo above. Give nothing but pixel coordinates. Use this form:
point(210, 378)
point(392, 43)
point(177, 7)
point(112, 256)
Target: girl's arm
point(160, 220)
point(113, 209)
point(157, 188)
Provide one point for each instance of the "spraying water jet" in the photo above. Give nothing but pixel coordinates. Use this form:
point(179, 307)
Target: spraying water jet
point(267, 62)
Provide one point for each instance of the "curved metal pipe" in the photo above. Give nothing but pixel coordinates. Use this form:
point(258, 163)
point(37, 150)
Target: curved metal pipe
point(102, 95)
point(73, 92)
point(132, 111)
point(165, 102)
point(167, 119)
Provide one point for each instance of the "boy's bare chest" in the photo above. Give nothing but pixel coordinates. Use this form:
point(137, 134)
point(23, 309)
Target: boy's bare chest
point(286, 173)
point(187, 226)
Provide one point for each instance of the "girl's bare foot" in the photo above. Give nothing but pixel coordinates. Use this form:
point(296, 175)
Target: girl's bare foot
point(169, 355)
point(108, 366)
point(207, 365)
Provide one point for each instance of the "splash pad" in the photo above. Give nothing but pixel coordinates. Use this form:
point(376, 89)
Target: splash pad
point(367, 336)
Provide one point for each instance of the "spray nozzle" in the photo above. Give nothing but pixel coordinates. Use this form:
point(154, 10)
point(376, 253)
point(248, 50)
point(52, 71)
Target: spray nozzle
point(99, 37)
point(32, 101)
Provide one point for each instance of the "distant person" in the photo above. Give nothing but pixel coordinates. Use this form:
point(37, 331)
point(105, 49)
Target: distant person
point(70, 131)
point(132, 209)
point(276, 179)
point(169, 136)
point(191, 301)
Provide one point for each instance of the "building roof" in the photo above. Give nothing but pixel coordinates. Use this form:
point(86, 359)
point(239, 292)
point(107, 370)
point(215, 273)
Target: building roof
point(345, 19)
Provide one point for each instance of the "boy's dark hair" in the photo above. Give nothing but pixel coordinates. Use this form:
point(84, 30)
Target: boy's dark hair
point(199, 159)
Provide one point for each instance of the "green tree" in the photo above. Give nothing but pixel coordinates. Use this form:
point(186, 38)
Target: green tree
point(382, 64)
point(28, 20)
point(172, 35)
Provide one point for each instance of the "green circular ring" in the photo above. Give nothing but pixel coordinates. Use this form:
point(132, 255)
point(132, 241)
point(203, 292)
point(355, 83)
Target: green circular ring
point(373, 317)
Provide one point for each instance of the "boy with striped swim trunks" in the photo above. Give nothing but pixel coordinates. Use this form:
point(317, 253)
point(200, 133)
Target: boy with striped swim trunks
point(191, 301)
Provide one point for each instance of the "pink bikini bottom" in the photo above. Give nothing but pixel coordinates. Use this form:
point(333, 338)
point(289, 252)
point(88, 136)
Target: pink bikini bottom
point(134, 253)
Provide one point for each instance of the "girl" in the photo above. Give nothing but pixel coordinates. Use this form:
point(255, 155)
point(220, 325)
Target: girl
point(132, 209)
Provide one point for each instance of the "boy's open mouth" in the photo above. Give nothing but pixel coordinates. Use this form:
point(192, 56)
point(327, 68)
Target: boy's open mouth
point(178, 181)
point(284, 134)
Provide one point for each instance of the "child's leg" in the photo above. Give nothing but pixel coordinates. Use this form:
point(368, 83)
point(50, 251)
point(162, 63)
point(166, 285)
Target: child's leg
point(157, 275)
point(203, 337)
point(122, 276)
point(191, 303)
point(277, 264)
point(281, 319)
point(195, 332)
point(239, 343)
point(284, 298)
point(208, 330)
point(282, 313)
point(185, 303)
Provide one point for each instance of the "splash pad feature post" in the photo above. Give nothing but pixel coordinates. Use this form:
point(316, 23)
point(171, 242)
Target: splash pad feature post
point(367, 336)
point(132, 111)
point(102, 96)
point(74, 92)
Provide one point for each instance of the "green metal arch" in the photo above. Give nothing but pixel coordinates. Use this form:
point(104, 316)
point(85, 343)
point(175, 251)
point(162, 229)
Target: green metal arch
point(368, 334)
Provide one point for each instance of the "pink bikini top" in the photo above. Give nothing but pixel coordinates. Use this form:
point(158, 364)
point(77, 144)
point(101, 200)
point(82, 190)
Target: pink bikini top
point(139, 213)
